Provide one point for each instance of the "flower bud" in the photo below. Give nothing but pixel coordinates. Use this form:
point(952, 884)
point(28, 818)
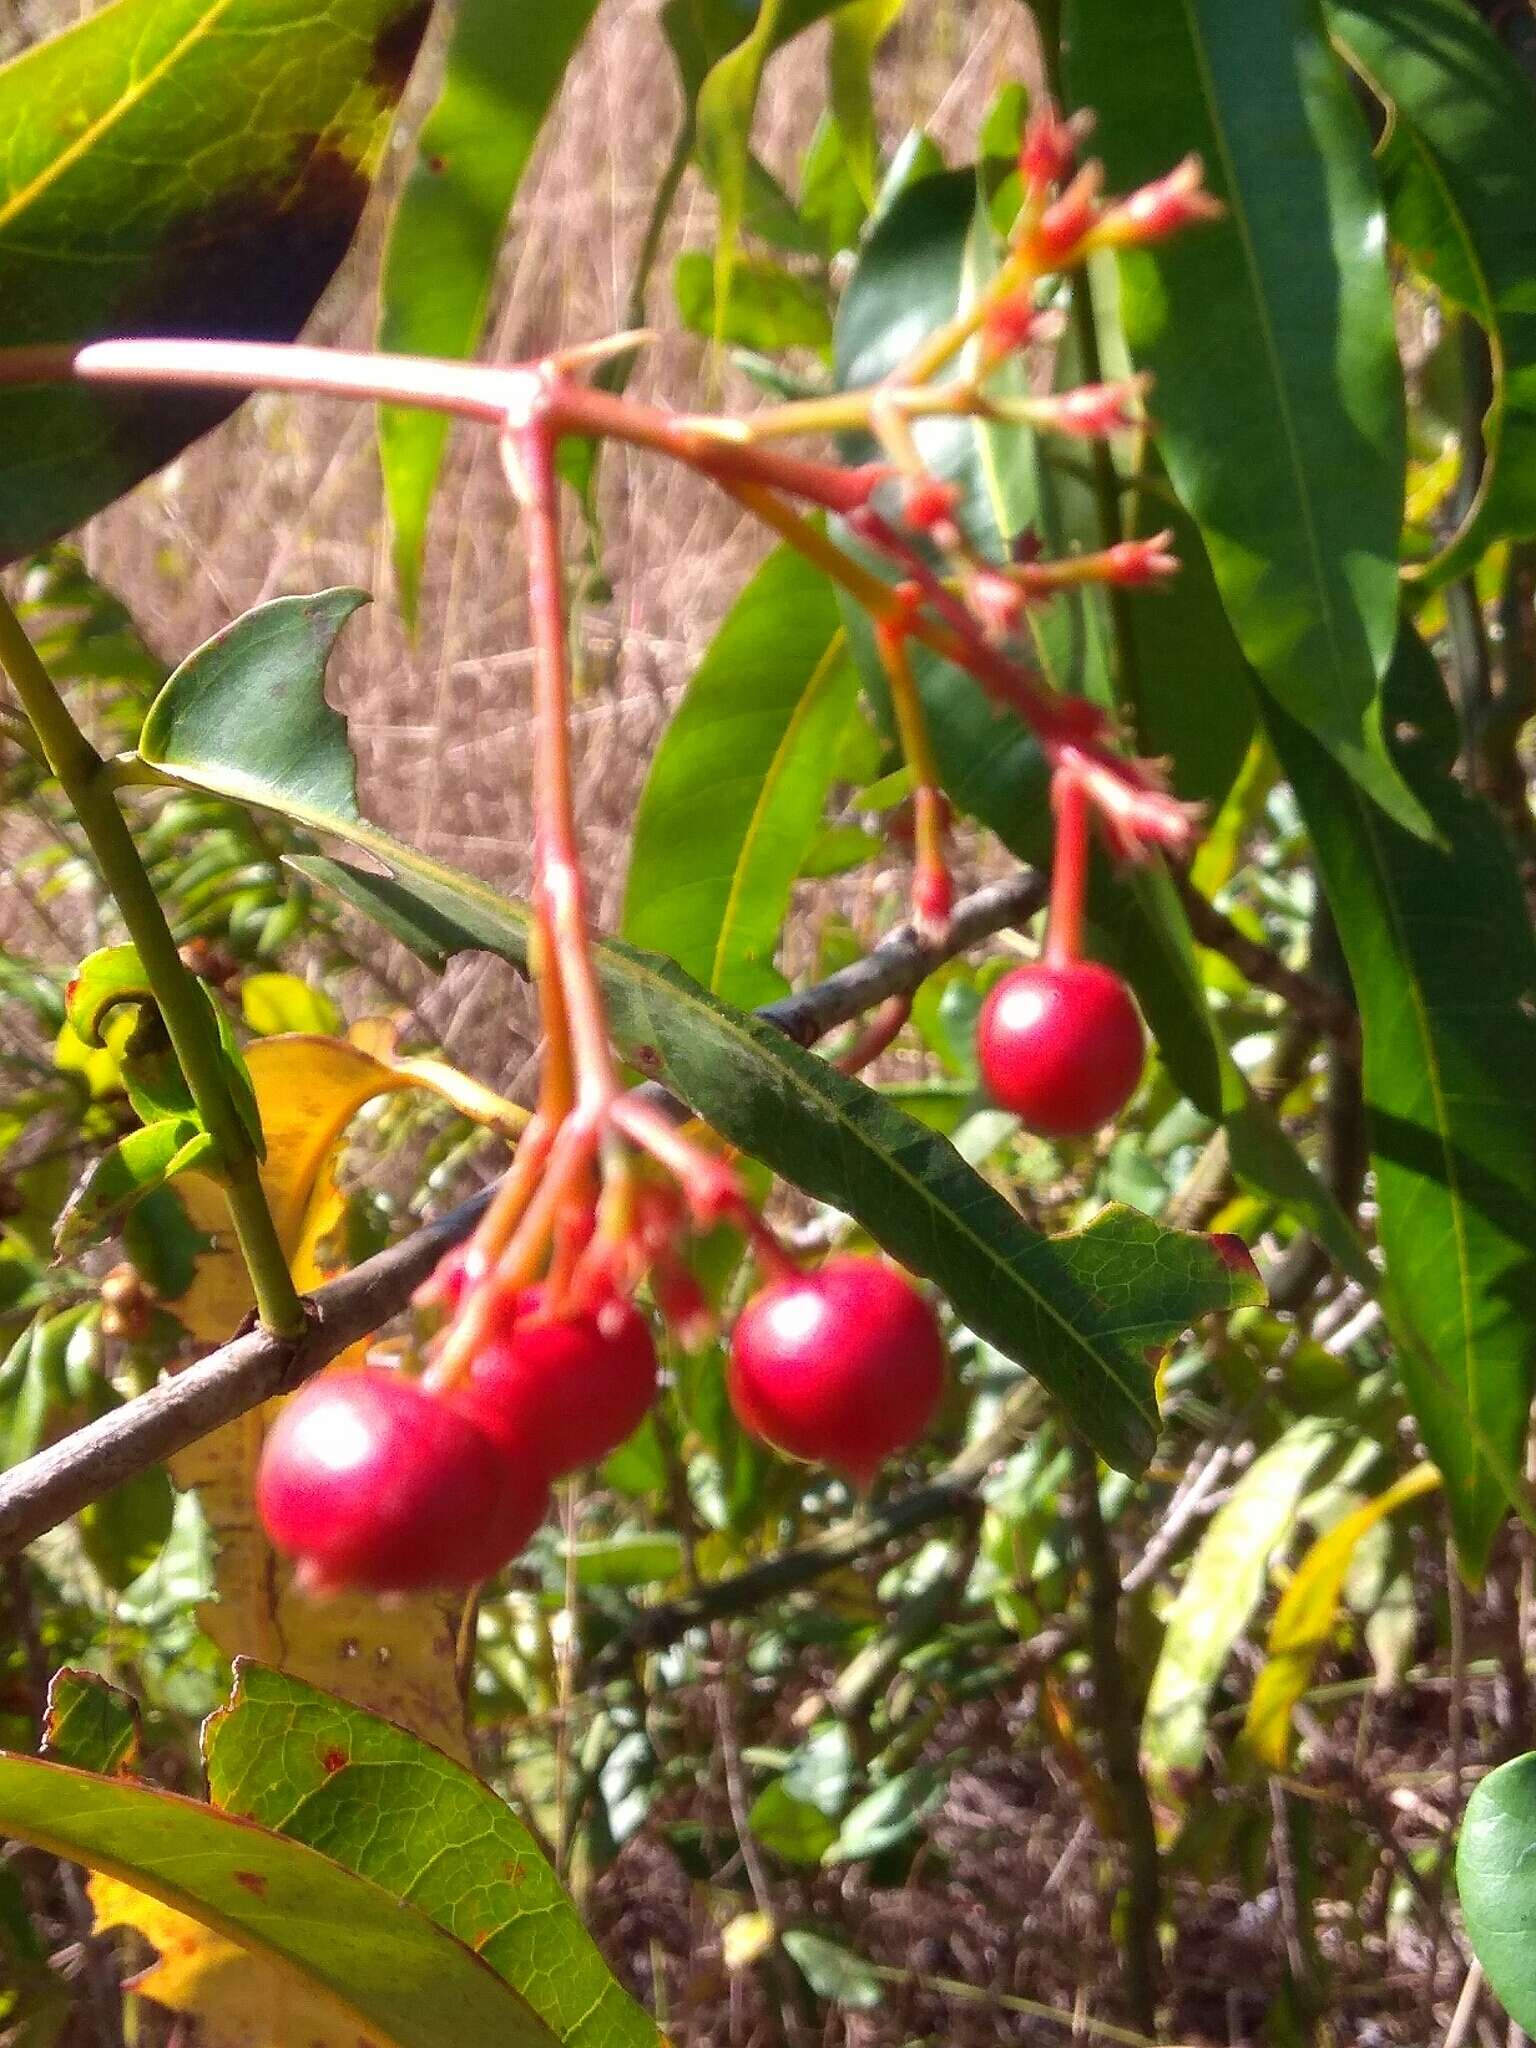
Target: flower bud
point(1092, 409)
point(1177, 200)
point(1048, 152)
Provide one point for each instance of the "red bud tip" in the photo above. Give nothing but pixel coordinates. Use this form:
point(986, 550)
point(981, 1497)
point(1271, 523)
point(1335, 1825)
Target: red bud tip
point(996, 601)
point(1065, 226)
point(1048, 151)
point(1160, 209)
point(1141, 561)
point(1092, 410)
point(927, 503)
point(1015, 323)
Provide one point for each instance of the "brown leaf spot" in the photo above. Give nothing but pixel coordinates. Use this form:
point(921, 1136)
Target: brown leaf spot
point(333, 1760)
point(395, 47)
point(512, 1872)
point(251, 1882)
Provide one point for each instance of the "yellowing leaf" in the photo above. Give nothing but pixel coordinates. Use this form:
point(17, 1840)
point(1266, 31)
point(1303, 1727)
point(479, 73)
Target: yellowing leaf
point(1305, 1618)
point(97, 1064)
point(239, 2000)
point(272, 1003)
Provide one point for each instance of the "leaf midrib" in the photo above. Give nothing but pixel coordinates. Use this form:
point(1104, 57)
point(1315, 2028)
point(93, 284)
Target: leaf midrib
point(88, 137)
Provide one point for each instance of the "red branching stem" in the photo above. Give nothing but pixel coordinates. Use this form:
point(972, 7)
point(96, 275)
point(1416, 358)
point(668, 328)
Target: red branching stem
point(559, 888)
point(1069, 870)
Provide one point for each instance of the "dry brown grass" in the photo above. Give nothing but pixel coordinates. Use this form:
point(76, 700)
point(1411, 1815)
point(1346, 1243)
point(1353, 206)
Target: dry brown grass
point(286, 496)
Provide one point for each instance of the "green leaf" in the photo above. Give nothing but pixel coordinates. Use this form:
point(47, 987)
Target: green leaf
point(1221, 1591)
point(273, 1003)
point(174, 167)
point(790, 1828)
point(124, 1531)
point(385, 1805)
point(144, 1160)
point(293, 756)
point(1496, 1883)
point(770, 308)
point(858, 29)
point(734, 795)
point(637, 1557)
point(1460, 169)
point(91, 1725)
point(1079, 1311)
point(500, 79)
point(399, 1976)
point(1278, 394)
point(833, 1971)
point(887, 1815)
point(1441, 953)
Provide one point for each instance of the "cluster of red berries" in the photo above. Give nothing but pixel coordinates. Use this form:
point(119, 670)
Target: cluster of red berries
point(371, 1479)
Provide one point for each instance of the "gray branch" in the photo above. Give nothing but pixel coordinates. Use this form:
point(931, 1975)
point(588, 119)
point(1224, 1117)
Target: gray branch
point(251, 1368)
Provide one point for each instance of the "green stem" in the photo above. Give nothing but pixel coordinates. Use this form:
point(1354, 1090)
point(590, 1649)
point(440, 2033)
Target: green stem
point(83, 776)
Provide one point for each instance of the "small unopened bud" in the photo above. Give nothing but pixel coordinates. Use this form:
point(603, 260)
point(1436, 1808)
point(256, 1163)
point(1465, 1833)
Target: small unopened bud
point(209, 961)
point(1048, 151)
point(1141, 561)
point(1062, 231)
point(927, 502)
point(1160, 209)
point(996, 600)
point(1014, 323)
point(1092, 410)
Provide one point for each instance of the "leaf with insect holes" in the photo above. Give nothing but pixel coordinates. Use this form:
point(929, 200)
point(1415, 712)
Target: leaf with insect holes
point(733, 798)
point(1078, 1311)
point(174, 167)
point(1459, 165)
point(500, 80)
point(1439, 945)
point(1278, 395)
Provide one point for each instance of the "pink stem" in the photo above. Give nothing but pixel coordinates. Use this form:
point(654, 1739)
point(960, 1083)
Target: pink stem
point(1069, 870)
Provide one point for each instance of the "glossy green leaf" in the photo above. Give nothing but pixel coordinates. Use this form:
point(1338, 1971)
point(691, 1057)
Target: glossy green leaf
point(1221, 1591)
point(1278, 395)
point(397, 1976)
point(1443, 961)
point(734, 795)
point(174, 167)
point(503, 69)
point(146, 1159)
point(380, 1802)
point(769, 308)
point(1496, 1883)
point(1079, 1311)
point(1460, 170)
point(91, 1725)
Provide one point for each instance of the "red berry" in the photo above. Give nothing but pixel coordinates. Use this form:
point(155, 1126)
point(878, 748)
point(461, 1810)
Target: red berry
point(844, 1365)
point(576, 1386)
point(373, 1482)
point(1061, 1046)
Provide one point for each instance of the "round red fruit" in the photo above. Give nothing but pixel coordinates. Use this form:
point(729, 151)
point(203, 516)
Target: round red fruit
point(371, 1482)
point(1061, 1046)
point(572, 1386)
point(842, 1366)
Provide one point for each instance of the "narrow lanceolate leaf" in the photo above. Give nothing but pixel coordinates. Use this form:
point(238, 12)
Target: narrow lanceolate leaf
point(1308, 1611)
point(1278, 395)
point(1460, 169)
point(387, 1806)
point(393, 1974)
point(1222, 1588)
point(174, 167)
point(734, 796)
point(1441, 953)
point(1496, 1883)
point(503, 70)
